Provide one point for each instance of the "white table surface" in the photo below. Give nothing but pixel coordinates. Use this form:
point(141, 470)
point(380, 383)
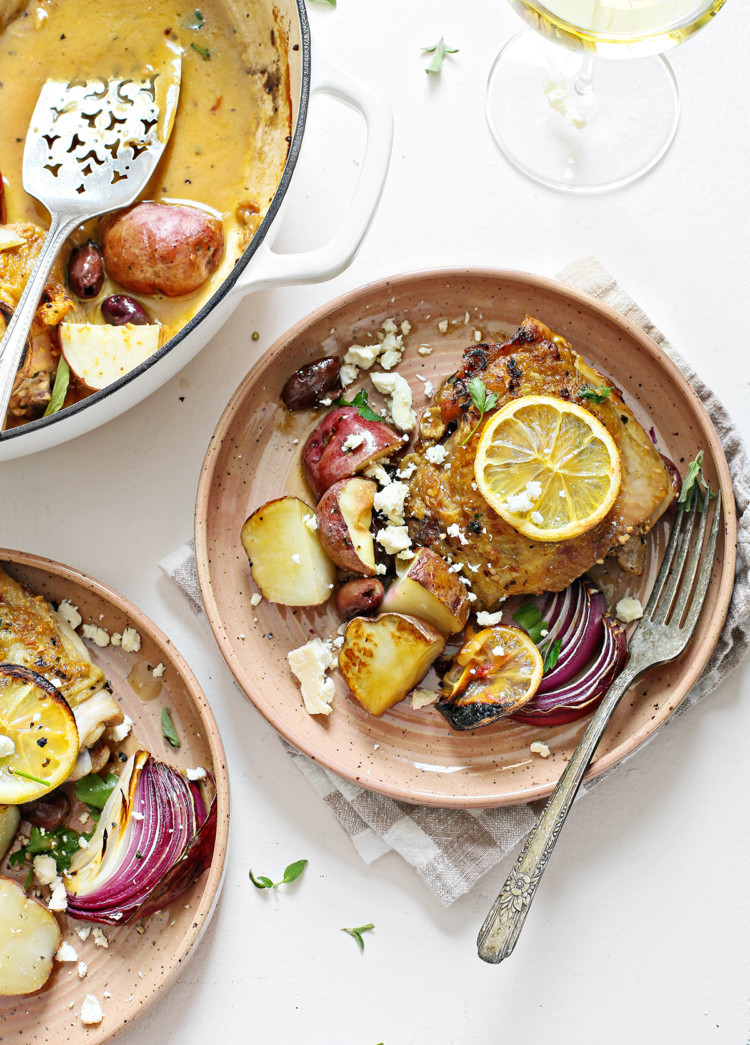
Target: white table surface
point(640, 930)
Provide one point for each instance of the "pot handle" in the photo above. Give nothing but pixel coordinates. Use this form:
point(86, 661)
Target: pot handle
point(267, 268)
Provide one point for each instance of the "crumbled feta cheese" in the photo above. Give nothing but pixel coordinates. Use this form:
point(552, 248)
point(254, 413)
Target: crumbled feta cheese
point(454, 530)
point(45, 869)
point(394, 539)
point(99, 636)
point(629, 609)
point(158, 670)
point(406, 471)
point(398, 388)
point(488, 619)
point(70, 614)
point(381, 569)
point(537, 518)
point(66, 953)
point(82, 970)
point(119, 732)
point(84, 932)
point(420, 698)
point(309, 664)
point(390, 502)
point(429, 389)
point(544, 632)
point(442, 325)
point(425, 350)
point(477, 336)
point(538, 748)
point(311, 522)
point(471, 596)
point(405, 327)
point(83, 842)
point(7, 747)
point(348, 374)
point(352, 442)
point(362, 356)
point(131, 640)
point(91, 1010)
point(59, 899)
point(525, 500)
point(99, 938)
point(377, 472)
point(436, 454)
point(199, 773)
point(389, 326)
point(296, 558)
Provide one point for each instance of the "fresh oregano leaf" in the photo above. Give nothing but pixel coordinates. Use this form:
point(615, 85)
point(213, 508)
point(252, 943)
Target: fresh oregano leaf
point(552, 655)
point(357, 931)
point(94, 790)
point(360, 401)
point(60, 387)
point(293, 872)
point(438, 52)
point(595, 395)
point(167, 728)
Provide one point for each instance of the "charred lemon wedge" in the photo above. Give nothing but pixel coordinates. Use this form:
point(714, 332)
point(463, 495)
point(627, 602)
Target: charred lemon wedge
point(38, 736)
point(496, 671)
point(548, 467)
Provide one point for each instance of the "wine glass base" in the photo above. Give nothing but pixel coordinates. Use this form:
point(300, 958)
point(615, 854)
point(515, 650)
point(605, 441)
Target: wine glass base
point(589, 141)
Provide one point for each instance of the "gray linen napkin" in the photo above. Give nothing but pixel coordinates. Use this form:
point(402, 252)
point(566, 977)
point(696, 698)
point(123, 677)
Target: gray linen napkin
point(451, 849)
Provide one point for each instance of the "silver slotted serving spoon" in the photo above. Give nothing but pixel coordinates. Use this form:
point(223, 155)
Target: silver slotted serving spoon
point(91, 148)
point(667, 625)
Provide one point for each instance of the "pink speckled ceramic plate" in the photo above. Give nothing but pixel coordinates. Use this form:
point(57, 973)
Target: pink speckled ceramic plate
point(254, 456)
point(127, 976)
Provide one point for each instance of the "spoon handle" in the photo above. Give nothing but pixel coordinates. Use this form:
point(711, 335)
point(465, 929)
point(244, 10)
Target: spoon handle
point(13, 344)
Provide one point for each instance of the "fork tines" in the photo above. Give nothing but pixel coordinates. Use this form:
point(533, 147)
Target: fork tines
point(681, 584)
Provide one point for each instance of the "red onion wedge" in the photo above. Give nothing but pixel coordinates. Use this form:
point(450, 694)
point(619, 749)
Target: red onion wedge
point(579, 640)
point(583, 693)
point(154, 839)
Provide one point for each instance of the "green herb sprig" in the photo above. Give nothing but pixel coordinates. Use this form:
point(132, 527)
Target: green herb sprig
point(167, 728)
point(94, 790)
point(291, 874)
point(595, 395)
point(552, 655)
point(691, 485)
point(198, 21)
point(438, 52)
point(60, 387)
point(61, 844)
point(202, 51)
point(360, 401)
point(530, 619)
point(482, 400)
point(357, 933)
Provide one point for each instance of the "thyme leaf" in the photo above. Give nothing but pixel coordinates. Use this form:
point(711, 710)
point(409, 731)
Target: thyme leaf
point(438, 52)
point(482, 400)
point(357, 931)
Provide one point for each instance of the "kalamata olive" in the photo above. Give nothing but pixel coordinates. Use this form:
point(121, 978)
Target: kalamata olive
point(305, 387)
point(360, 596)
point(119, 309)
point(48, 812)
point(86, 270)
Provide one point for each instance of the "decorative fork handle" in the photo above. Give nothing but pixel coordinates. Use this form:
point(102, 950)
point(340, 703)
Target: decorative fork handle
point(12, 345)
point(503, 924)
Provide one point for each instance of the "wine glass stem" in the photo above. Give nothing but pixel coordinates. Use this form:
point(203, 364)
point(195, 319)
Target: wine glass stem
point(584, 83)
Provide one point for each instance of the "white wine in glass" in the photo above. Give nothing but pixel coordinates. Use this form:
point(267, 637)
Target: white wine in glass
point(566, 112)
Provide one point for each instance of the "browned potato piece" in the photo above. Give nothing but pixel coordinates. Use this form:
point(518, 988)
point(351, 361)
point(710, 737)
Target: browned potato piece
point(286, 558)
point(430, 591)
point(99, 354)
point(344, 516)
point(161, 248)
point(29, 937)
point(382, 659)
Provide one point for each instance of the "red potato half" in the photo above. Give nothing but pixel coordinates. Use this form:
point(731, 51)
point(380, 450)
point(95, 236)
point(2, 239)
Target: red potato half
point(287, 560)
point(325, 460)
point(429, 590)
point(162, 248)
point(29, 938)
point(98, 355)
point(344, 516)
point(382, 659)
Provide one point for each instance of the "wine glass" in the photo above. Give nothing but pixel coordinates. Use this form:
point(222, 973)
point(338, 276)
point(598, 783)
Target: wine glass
point(566, 112)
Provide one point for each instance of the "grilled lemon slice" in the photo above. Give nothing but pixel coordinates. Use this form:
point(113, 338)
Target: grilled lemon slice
point(548, 467)
point(38, 736)
point(496, 671)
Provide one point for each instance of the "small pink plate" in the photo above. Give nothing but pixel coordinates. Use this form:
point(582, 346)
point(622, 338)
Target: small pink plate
point(135, 967)
point(254, 456)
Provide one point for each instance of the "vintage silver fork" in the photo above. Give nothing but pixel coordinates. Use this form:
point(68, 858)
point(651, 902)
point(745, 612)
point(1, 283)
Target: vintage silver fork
point(667, 625)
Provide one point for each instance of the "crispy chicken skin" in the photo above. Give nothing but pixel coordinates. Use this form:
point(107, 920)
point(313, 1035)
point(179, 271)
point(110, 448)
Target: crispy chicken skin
point(497, 559)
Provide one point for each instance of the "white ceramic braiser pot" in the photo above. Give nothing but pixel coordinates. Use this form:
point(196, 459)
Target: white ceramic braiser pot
point(259, 266)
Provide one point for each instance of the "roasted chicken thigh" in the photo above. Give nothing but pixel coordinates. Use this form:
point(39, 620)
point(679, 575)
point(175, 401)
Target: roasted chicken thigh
point(446, 511)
